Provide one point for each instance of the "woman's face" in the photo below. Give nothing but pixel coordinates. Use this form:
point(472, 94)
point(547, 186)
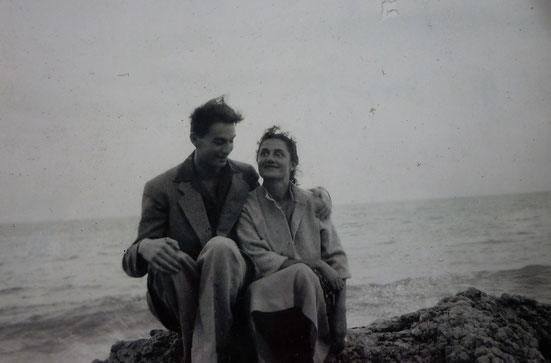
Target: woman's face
point(274, 160)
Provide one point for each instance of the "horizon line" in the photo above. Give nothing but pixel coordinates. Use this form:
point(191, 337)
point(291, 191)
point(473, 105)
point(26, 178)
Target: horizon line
point(137, 216)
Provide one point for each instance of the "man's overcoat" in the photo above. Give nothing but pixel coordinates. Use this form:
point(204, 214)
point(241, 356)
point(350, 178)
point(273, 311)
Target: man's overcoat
point(172, 207)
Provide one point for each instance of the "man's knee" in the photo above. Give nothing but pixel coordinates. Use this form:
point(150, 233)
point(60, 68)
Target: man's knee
point(223, 256)
point(221, 247)
point(163, 283)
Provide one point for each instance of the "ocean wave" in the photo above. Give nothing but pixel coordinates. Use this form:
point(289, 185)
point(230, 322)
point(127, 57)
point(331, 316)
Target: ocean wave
point(372, 301)
point(524, 233)
point(524, 219)
point(65, 258)
point(386, 242)
point(43, 326)
point(55, 323)
point(17, 315)
point(492, 241)
point(542, 273)
point(11, 290)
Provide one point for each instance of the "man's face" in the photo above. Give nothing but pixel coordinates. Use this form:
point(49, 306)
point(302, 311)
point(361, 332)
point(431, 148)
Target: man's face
point(212, 150)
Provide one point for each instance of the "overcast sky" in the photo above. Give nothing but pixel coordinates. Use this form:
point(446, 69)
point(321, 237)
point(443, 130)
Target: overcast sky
point(389, 100)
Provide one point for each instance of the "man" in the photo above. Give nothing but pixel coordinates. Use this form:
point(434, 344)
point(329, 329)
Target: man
point(196, 273)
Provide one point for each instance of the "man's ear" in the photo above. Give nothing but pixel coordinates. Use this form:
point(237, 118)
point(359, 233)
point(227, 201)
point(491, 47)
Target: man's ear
point(193, 138)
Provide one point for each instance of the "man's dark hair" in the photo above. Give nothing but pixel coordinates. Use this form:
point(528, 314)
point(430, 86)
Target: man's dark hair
point(215, 110)
point(275, 132)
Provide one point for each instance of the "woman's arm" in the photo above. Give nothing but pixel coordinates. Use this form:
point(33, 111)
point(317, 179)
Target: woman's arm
point(336, 283)
point(331, 249)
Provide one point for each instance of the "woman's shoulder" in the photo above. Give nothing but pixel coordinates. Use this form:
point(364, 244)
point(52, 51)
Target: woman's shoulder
point(253, 196)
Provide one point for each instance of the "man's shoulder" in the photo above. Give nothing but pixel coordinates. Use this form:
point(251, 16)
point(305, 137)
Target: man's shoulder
point(164, 179)
point(241, 166)
point(169, 174)
point(247, 170)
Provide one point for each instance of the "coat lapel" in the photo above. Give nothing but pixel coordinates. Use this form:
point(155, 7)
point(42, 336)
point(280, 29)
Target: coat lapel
point(300, 205)
point(231, 210)
point(278, 233)
point(194, 209)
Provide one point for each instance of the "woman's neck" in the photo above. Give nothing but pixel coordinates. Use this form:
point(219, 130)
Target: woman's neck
point(278, 189)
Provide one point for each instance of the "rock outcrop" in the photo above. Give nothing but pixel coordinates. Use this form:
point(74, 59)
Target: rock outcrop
point(469, 327)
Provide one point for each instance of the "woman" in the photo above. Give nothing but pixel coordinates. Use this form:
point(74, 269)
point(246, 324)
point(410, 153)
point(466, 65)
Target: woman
point(297, 304)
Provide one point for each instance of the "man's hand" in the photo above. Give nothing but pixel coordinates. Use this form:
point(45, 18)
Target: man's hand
point(162, 254)
point(322, 203)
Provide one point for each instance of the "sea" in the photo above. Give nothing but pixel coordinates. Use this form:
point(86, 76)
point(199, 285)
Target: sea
point(65, 298)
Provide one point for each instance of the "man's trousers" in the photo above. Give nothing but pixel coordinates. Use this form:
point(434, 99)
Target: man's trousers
point(199, 300)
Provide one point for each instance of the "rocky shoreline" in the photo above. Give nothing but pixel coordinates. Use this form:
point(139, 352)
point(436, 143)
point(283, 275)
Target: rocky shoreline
point(468, 327)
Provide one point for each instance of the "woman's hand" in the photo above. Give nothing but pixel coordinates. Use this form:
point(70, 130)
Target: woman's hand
point(332, 277)
point(334, 281)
